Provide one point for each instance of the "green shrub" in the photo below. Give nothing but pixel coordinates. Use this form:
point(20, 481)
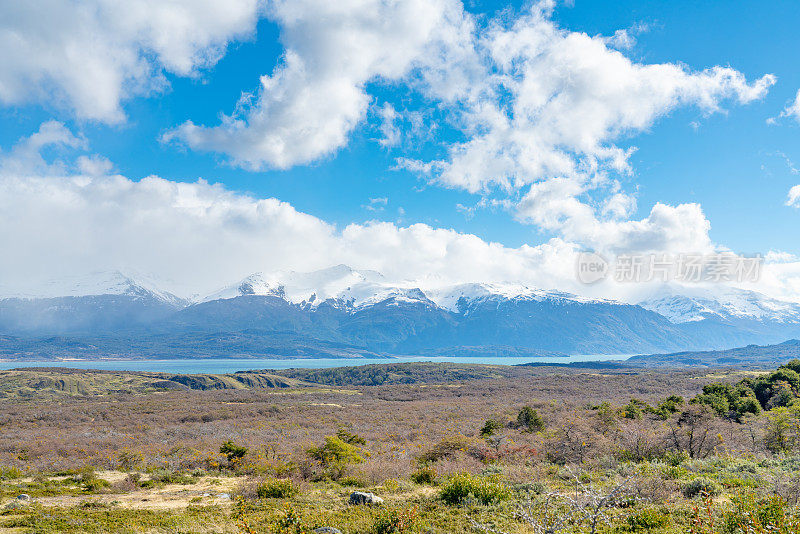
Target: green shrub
point(395, 521)
point(634, 409)
point(352, 481)
point(647, 519)
point(336, 456)
point(424, 475)
point(232, 452)
point(96, 484)
point(348, 437)
point(669, 406)
point(289, 521)
point(529, 420)
point(7, 473)
point(490, 427)
point(460, 487)
point(675, 458)
point(751, 513)
point(701, 486)
point(171, 477)
point(276, 489)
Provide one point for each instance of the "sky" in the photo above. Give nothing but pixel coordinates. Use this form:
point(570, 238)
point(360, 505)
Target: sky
point(199, 141)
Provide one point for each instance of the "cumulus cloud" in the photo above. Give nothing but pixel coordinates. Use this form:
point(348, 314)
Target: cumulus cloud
point(545, 112)
point(550, 125)
point(89, 56)
point(306, 108)
point(62, 220)
point(794, 197)
point(563, 99)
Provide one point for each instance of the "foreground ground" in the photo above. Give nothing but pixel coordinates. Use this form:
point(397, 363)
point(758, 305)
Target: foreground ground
point(448, 448)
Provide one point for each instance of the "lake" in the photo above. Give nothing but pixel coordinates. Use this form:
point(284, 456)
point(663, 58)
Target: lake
point(217, 366)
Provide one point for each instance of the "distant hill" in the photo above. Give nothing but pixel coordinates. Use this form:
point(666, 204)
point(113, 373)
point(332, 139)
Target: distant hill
point(64, 382)
point(751, 356)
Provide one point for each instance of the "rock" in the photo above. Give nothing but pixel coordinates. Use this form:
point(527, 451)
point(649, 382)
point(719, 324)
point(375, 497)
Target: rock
point(225, 496)
point(327, 530)
point(363, 497)
point(23, 497)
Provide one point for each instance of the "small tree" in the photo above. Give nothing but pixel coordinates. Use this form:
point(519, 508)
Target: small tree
point(349, 437)
point(490, 427)
point(529, 420)
point(691, 431)
point(232, 452)
point(336, 456)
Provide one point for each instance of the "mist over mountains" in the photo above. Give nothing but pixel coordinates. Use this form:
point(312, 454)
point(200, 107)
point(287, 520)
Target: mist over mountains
point(341, 312)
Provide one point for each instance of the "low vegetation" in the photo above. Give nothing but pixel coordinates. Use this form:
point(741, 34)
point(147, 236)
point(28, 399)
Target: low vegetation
point(540, 450)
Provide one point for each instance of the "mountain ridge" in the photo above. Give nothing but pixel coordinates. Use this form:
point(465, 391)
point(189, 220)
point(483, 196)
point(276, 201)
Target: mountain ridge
point(342, 312)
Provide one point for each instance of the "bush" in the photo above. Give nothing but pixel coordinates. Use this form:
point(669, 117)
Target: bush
point(336, 456)
point(701, 486)
point(394, 521)
point(446, 448)
point(95, 485)
point(232, 452)
point(750, 513)
point(424, 475)
point(634, 409)
point(289, 521)
point(529, 420)
point(353, 481)
point(8, 473)
point(276, 489)
point(647, 519)
point(348, 437)
point(490, 427)
point(460, 487)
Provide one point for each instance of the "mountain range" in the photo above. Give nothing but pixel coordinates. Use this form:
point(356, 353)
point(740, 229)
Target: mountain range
point(341, 312)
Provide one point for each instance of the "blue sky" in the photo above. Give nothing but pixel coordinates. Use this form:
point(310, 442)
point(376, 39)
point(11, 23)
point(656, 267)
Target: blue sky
point(726, 157)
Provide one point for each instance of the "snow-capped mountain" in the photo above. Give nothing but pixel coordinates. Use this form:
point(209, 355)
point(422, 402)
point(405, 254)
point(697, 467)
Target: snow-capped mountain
point(460, 298)
point(339, 285)
point(98, 302)
point(693, 304)
point(342, 311)
point(96, 284)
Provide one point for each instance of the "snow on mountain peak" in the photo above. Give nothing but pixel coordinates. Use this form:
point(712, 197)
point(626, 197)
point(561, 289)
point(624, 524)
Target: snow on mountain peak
point(356, 288)
point(454, 297)
point(692, 304)
point(338, 283)
point(99, 283)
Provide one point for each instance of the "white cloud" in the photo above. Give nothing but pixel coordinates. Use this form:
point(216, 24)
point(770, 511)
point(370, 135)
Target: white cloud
point(390, 132)
point(564, 99)
point(545, 112)
point(89, 56)
point(317, 95)
point(59, 220)
point(25, 156)
point(73, 217)
point(792, 110)
point(551, 126)
point(794, 197)
point(555, 205)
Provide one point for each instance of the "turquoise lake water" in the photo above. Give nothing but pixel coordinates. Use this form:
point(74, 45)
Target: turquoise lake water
point(233, 365)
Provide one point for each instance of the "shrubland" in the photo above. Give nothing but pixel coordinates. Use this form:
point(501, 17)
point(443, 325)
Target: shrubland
point(541, 450)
